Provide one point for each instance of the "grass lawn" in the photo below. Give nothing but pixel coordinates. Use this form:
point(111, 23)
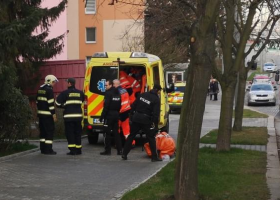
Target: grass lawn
point(16, 148)
point(247, 113)
point(249, 136)
point(234, 175)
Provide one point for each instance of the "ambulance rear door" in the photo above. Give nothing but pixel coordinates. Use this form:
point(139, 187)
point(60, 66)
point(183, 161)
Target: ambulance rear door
point(158, 78)
point(99, 74)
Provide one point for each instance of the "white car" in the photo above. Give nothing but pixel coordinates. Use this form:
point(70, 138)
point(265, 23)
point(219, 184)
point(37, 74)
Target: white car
point(261, 78)
point(262, 93)
point(270, 67)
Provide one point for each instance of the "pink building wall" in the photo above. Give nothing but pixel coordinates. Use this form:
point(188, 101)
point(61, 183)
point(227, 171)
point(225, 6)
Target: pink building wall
point(58, 28)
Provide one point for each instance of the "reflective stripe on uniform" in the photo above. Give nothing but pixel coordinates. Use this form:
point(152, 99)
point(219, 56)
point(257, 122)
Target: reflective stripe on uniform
point(42, 98)
point(79, 146)
point(42, 140)
point(134, 82)
point(48, 141)
point(51, 107)
point(50, 100)
point(72, 115)
point(73, 102)
point(125, 102)
point(44, 112)
point(59, 104)
point(71, 145)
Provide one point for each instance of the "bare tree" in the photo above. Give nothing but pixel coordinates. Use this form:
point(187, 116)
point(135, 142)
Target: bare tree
point(235, 28)
point(179, 30)
point(261, 36)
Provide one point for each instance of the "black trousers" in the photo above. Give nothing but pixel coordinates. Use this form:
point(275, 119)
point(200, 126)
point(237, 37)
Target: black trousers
point(46, 126)
point(73, 131)
point(215, 96)
point(135, 127)
point(111, 127)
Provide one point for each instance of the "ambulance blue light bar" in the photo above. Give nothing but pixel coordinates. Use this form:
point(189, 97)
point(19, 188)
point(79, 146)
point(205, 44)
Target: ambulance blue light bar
point(139, 55)
point(100, 55)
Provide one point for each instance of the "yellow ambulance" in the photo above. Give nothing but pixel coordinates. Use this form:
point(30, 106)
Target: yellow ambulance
point(175, 98)
point(107, 66)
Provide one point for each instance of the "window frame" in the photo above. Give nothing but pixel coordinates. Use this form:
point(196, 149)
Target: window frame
point(91, 12)
point(90, 42)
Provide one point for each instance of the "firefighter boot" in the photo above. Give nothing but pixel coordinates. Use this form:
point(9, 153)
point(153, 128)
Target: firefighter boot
point(49, 150)
point(72, 151)
point(42, 147)
point(78, 151)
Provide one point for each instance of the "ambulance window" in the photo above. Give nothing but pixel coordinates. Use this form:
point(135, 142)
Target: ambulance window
point(156, 75)
point(99, 76)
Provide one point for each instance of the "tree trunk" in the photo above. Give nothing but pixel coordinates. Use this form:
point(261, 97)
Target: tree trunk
point(225, 124)
point(202, 51)
point(190, 129)
point(239, 106)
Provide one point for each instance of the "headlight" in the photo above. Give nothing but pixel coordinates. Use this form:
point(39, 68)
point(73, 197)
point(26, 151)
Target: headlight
point(271, 95)
point(252, 95)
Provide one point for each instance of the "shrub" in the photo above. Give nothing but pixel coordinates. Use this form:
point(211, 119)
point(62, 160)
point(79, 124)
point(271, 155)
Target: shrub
point(14, 117)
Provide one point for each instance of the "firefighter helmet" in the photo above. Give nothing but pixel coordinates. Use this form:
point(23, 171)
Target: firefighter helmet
point(50, 79)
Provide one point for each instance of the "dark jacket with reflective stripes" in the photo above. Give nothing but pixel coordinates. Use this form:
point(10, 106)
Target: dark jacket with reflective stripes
point(45, 101)
point(71, 100)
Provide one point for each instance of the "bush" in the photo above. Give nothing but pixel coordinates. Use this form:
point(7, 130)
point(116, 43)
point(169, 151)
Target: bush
point(14, 117)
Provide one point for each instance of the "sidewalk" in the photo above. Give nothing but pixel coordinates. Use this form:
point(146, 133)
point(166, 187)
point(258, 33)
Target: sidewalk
point(211, 121)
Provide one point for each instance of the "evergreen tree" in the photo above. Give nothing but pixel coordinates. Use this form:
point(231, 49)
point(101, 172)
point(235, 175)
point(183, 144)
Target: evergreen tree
point(21, 52)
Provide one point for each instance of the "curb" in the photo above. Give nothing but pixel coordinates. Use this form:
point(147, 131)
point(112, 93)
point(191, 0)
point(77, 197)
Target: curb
point(23, 153)
point(137, 184)
point(15, 155)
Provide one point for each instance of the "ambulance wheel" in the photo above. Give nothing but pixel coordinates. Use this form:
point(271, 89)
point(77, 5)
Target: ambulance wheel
point(93, 139)
point(166, 127)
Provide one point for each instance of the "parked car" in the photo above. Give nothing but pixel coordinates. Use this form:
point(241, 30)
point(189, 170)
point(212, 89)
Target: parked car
point(261, 93)
point(175, 98)
point(262, 78)
point(270, 67)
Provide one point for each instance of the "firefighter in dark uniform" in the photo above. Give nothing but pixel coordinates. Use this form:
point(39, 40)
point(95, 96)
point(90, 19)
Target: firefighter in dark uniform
point(46, 114)
point(110, 115)
point(145, 117)
point(71, 100)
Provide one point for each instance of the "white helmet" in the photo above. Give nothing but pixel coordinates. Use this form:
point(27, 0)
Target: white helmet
point(50, 79)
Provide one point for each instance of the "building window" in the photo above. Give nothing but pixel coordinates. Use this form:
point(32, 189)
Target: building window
point(90, 35)
point(90, 7)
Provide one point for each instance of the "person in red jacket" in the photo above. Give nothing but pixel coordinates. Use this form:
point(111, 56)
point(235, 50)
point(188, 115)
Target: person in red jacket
point(125, 109)
point(124, 83)
point(135, 85)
